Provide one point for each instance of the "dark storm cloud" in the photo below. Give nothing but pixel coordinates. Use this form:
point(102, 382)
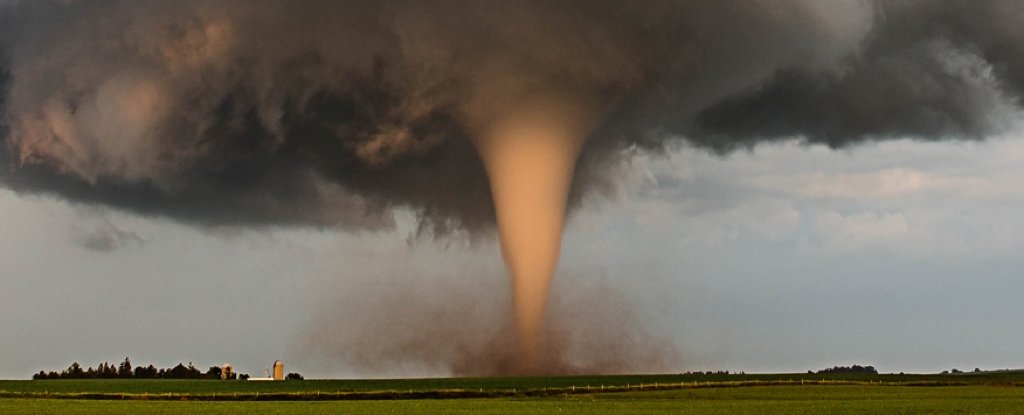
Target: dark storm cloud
point(327, 113)
point(931, 70)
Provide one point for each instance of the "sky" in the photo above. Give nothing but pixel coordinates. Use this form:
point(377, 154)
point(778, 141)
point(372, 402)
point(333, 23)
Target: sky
point(750, 186)
point(902, 255)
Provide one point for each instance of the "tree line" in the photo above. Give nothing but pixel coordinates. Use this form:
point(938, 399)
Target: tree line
point(125, 371)
point(850, 369)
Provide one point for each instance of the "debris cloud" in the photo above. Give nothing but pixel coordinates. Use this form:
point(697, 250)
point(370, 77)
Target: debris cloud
point(395, 326)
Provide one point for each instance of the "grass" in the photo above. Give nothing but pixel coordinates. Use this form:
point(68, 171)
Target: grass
point(762, 400)
point(479, 386)
point(975, 393)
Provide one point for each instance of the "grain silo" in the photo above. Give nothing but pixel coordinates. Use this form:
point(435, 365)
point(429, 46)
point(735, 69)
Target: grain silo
point(226, 372)
point(278, 370)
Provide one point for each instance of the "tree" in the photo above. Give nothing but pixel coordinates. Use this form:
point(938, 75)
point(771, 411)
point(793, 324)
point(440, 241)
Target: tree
point(213, 373)
point(851, 369)
point(178, 372)
point(74, 371)
point(193, 373)
point(293, 376)
point(124, 370)
point(148, 372)
point(107, 371)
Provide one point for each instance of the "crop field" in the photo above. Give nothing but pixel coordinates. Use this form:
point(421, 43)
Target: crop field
point(990, 392)
point(759, 399)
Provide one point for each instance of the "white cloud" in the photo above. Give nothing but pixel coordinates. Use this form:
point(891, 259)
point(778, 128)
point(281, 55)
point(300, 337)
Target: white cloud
point(892, 183)
point(861, 231)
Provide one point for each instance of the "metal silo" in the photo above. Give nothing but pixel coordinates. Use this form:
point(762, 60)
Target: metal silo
point(278, 370)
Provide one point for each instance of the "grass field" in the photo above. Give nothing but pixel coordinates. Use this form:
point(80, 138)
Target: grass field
point(761, 400)
point(974, 393)
point(484, 385)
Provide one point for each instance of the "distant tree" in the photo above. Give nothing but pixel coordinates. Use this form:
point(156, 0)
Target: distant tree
point(74, 371)
point(124, 370)
point(243, 376)
point(213, 373)
point(177, 372)
point(107, 371)
point(193, 373)
point(293, 376)
point(148, 372)
point(850, 369)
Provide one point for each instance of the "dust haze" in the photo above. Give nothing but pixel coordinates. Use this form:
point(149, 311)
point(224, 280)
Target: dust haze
point(428, 325)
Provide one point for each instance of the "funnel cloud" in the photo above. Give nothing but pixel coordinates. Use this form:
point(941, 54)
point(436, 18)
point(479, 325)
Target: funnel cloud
point(475, 115)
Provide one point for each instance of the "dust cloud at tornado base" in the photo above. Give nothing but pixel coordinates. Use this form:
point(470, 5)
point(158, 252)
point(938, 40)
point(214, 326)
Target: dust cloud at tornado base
point(383, 325)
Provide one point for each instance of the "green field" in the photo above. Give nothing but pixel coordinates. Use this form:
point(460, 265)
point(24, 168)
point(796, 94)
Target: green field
point(969, 393)
point(484, 385)
point(762, 400)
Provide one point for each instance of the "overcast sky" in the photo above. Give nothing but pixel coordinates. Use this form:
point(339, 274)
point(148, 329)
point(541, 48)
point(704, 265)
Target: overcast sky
point(903, 255)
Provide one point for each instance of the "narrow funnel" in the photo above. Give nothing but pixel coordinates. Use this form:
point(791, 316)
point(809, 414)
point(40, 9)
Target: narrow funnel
point(530, 155)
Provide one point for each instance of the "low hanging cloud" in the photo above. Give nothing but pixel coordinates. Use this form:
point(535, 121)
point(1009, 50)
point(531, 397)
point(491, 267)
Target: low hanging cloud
point(107, 237)
point(332, 114)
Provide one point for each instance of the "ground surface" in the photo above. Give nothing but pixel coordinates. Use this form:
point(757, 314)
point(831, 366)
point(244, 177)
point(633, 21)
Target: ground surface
point(763, 400)
point(984, 393)
point(482, 384)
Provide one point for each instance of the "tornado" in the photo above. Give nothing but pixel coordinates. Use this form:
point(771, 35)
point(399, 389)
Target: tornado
point(529, 154)
point(467, 115)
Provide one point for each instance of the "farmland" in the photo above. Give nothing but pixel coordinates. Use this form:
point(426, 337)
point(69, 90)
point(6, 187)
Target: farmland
point(779, 399)
point(488, 386)
point(987, 392)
